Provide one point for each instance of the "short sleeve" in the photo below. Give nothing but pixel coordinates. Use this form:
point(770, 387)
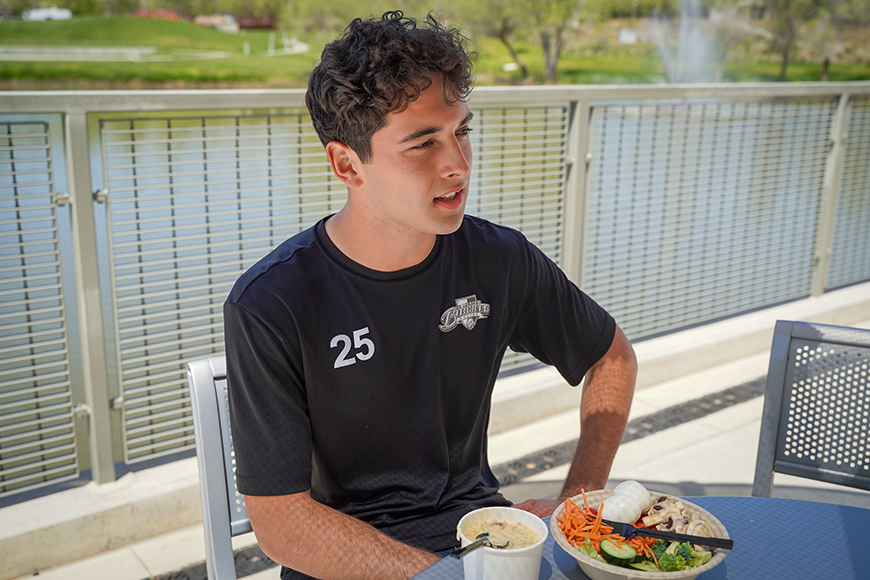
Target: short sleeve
point(268, 412)
point(559, 324)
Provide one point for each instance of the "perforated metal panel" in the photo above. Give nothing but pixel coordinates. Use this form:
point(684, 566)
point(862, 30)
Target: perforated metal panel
point(37, 435)
point(850, 257)
point(194, 202)
point(826, 409)
point(700, 210)
point(519, 177)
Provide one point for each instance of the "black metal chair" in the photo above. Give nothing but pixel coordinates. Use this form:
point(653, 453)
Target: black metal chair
point(816, 418)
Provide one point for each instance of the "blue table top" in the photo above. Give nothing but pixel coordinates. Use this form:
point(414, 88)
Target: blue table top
point(773, 538)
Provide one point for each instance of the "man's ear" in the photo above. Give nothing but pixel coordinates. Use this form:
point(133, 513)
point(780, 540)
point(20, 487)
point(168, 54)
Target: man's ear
point(344, 162)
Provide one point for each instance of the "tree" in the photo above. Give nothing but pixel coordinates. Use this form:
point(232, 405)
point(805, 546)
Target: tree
point(500, 19)
point(334, 16)
point(732, 24)
point(819, 39)
point(786, 17)
point(504, 28)
point(546, 20)
point(849, 13)
point(550, 21)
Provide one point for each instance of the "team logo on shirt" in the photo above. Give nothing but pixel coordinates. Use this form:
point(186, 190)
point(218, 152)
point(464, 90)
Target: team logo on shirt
point(467, 312)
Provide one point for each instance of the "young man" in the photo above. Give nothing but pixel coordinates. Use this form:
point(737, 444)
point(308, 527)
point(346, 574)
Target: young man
point(362, 352)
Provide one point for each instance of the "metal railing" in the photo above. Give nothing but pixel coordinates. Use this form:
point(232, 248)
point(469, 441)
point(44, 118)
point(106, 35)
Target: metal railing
point(127, 216)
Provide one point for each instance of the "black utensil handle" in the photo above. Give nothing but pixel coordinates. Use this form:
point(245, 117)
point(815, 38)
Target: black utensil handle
point(703, 540)
point(481, 540)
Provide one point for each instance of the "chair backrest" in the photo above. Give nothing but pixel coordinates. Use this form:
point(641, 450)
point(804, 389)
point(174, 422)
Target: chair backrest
point(816, 418)
point(223, 509)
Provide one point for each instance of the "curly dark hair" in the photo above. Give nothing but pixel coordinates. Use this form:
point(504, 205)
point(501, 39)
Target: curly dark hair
point(378, 67)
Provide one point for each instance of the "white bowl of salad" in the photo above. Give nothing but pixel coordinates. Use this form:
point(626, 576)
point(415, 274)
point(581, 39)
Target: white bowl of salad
point(602, 555)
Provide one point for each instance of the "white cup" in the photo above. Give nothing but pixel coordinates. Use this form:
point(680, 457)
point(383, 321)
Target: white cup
point(506, 564)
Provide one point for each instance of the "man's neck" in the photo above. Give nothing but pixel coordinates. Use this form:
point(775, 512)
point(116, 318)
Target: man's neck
point(382, 249)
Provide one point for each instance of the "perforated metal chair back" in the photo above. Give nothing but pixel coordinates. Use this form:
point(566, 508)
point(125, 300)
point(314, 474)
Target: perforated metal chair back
point(223, 509)
point(816, 418)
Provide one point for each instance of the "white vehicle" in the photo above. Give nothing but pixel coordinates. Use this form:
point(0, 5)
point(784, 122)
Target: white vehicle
point(42, 14)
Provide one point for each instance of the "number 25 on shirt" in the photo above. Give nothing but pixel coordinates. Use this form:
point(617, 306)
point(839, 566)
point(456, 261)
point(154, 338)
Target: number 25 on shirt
point(363, 348)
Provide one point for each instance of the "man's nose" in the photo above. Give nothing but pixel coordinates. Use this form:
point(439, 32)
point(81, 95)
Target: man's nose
point(457, 161)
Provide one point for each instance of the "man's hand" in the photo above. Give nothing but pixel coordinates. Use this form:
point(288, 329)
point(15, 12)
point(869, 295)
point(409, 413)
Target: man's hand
point(542, 508)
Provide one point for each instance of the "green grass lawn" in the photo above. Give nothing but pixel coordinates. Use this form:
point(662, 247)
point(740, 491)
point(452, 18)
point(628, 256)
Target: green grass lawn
point(797, 72)
point(174, 42)
point(573, 68)
point(123, 31)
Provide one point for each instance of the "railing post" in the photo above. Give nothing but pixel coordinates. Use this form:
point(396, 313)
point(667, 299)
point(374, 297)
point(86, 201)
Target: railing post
point(830, 195)
point(574, 220)
point(91, 334)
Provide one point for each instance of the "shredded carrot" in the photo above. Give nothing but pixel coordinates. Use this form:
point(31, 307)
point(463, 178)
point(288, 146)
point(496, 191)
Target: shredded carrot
point(578, 524)
point(644, 546)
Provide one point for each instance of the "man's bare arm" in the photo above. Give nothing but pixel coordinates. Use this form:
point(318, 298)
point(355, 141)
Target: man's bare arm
point(607, 393)
point(305, 535)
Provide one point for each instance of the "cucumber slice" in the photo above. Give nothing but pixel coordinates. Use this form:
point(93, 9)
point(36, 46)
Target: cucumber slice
point(619, 555)
point(644, 565)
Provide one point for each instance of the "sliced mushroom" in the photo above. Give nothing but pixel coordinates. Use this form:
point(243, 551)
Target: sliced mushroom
point(698, 522)
point(663, 514)
point(680, 525)
point(698, 527)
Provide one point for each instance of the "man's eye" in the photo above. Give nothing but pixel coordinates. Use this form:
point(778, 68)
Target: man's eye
point(423, 145)
point(465, 131)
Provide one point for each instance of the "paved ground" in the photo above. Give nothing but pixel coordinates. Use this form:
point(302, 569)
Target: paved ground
point(696, 435)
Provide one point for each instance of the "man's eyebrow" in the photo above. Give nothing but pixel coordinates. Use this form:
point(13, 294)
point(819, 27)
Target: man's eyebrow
point(432, 130)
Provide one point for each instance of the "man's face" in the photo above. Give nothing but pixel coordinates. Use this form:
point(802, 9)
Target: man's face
point(417, 180)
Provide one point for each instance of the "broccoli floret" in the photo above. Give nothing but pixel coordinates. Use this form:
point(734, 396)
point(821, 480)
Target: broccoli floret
point(685, 551)
point(659, 547)
point(699, 558)
point(673, 558)
point(671, 563)
point(680, 556)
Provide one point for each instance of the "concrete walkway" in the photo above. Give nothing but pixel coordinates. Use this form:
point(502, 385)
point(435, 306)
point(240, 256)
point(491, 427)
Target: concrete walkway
point(712, 455)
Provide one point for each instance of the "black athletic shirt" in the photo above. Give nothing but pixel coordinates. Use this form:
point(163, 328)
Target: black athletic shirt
point(373, 389)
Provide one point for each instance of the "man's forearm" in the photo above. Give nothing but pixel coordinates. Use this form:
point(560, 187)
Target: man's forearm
point(309, 537)
point(607, 395)
point(593, 456)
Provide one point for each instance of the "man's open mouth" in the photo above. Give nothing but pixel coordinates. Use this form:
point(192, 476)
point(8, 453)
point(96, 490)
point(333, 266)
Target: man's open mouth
point(447, 197)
